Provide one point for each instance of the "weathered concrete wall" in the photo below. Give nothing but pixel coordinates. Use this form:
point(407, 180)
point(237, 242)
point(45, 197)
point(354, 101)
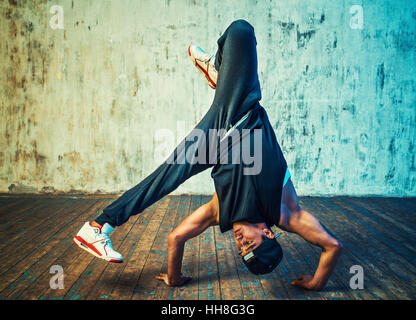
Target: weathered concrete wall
point(80, 106)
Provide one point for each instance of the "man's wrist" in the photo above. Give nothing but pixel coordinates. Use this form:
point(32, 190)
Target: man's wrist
point(173, 280)
point(316, 284)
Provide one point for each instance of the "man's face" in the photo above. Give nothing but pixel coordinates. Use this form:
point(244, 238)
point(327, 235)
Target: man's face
point(248, 236)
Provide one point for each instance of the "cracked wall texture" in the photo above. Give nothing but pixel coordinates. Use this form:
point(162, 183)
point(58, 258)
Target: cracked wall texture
point(80, 107)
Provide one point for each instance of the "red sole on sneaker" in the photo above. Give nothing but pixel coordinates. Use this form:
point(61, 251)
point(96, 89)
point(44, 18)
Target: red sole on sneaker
point(210, 82)
point(116, 261)
point(85, 243)
point(86, 246)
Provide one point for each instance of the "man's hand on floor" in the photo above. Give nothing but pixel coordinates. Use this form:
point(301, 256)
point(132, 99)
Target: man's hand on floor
point(306, 282)
point(173, 283)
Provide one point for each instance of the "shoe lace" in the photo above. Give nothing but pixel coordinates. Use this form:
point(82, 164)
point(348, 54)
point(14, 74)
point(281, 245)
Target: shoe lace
point(211, 59)
point(102, 236)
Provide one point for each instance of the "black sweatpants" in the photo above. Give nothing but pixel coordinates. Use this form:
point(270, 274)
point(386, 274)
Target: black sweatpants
point(237, 92)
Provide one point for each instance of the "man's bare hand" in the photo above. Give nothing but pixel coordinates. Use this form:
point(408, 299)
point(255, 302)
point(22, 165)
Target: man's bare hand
point(173, 283)
point(306, 282)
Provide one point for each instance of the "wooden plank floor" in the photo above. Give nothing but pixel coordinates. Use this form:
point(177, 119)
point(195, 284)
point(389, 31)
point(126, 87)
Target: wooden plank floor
point(36, 233)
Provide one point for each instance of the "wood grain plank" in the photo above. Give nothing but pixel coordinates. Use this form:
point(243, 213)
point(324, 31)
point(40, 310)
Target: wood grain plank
point(21, 275)
point(124, 288)
point(147, 284)
point(190, 264)
point(10, 206)
point(110, 275)
point(27, 226)
point(29, 208)
point(24, 256)
point(21, 229)
point(401, 225)
point(331, 218)
point(229, 282)
point(163, 292)
point(398, 209)
point(75, 261)
point(378, 235)
point(360, 245)
point(338, 284)
point(209, 286)
point(36, 278)
point(86, 283)
point(18, 222)
point(38, 272)
point(410, 202)
point(380, 229)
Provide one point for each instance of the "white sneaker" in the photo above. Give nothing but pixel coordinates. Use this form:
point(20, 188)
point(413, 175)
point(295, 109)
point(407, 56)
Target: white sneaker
point(96, 240)
point(205, 63)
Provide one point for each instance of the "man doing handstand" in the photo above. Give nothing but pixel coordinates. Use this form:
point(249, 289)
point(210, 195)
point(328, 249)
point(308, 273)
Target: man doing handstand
point(249, 200)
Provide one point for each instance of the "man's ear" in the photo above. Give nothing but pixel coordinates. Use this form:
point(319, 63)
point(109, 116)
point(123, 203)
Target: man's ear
point(269, 234)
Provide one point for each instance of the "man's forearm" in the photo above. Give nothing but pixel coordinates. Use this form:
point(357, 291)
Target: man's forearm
point(175, 255)
point(309, 228)
point(327, 262)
